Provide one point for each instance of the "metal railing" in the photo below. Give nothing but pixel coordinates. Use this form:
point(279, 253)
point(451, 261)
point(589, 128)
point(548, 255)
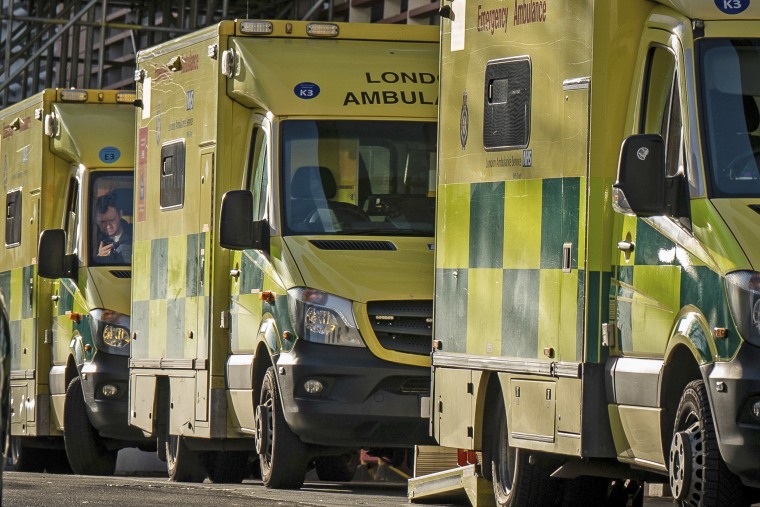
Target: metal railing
point(93, 43)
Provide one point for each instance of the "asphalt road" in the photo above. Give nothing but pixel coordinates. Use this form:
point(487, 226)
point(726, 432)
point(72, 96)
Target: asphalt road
point(49, 490)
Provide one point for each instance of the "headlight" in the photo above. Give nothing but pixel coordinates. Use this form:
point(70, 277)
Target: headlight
point(743, 290)
point(115, 336)
point(111, 331)
point(320, 317)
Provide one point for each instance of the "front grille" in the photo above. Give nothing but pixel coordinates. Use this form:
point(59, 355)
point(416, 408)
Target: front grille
point(121, 273)
point(403, 326)
point(416, 386)
point(352, 244)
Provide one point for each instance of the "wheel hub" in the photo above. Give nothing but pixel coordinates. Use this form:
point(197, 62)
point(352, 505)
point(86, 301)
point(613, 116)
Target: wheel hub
point(680, 465)
point(687, 463)
point(262, 428)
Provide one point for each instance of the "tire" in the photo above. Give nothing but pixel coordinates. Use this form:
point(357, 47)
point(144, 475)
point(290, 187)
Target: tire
point(182, 463)
point(337, 468)
point(516, 481)
point(227, 467)
point(282, 454)
point(587, 491)
point(57, 462)
point(24, 458)
point(600, 492)
point(698, 475)
point(84, 447)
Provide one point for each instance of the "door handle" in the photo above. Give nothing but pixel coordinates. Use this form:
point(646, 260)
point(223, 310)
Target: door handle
point(625, 246)
point(235, 273)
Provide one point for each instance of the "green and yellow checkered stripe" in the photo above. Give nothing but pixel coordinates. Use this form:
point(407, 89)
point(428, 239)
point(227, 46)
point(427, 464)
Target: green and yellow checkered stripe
point(167, 304)
point(247, 308)
point(500, 289)
point(659, 279)
point(16, 285)
point(499, 272)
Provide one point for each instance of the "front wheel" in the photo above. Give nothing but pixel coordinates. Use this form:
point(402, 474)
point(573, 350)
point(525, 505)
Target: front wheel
point(25, 458)
point(698, 475)
point(227, 467)
point(182, 463)
point(84, 447)
point(282, 455)
point(339, 468)
point(520, 478)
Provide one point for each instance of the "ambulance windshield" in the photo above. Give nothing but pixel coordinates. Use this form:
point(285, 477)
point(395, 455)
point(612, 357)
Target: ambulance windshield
point(111, 219)
point(358, 177)
point(730, 94)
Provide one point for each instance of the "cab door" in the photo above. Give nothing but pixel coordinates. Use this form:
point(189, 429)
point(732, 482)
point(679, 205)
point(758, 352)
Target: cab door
point(247, 281)
point(647, 265)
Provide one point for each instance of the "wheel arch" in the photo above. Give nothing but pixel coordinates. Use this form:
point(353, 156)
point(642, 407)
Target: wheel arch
point(681, 366)
point(262, 360)
point(484, 420)
point(76, 349)
point(161, 400)
point(72, 370)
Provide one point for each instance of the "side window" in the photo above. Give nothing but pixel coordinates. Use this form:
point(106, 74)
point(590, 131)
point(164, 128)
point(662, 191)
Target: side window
point(173, 175)
point(72, 217)
point(258, 174)
point(13, 218)
point(661, 113)
point(507, 100)
point(111, 202)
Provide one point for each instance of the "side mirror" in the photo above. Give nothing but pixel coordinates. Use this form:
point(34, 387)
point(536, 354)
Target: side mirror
point(52, 261)
point(237, 231)
point(640, 186)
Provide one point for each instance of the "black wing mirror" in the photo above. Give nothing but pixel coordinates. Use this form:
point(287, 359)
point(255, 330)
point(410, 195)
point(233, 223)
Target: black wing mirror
point(52, 261)
point(237, 230)
point(640, 186)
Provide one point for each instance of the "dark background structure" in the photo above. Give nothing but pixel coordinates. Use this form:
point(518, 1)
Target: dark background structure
point(93, 43)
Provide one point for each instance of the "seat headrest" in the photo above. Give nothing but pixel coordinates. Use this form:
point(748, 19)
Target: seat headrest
point(751, 113)
point(310, 177)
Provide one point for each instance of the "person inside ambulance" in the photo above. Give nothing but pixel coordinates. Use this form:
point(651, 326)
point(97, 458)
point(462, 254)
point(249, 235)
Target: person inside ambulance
point(114, 239)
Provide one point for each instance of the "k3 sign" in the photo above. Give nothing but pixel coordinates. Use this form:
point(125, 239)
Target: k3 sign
point(732, 6)
point(306, 91)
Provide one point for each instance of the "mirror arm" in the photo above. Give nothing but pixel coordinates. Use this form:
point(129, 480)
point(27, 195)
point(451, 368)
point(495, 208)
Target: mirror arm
point(677, 196)
point(71, 266)
point(260, 235)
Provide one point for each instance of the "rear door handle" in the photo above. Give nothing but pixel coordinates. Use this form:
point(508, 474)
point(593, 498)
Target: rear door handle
point(625, 246)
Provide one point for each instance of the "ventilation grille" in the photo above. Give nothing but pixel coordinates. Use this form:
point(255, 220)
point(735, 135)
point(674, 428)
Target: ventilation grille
point(121, 273)
point(416, 386)
point(403, 326)
point(350, 244)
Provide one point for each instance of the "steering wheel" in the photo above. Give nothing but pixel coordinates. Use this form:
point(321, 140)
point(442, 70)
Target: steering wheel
point(379, 206)
point(741, 163)
point(345, 214)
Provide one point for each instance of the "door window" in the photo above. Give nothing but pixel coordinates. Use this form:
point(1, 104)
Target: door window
point(258, 173)
point(662, 107)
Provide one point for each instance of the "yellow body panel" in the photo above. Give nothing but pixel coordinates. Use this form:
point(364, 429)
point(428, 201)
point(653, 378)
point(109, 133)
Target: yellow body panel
point(52, 144)
point(542, 287)
point(222, 316)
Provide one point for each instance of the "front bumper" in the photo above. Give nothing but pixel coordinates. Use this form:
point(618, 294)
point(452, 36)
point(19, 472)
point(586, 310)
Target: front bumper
point(109, 415)
point(733, 387)
point(367, 402)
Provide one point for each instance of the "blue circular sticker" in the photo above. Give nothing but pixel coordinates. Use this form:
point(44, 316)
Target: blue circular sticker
point(306, 90)
point(732, 6)
point(109, 154)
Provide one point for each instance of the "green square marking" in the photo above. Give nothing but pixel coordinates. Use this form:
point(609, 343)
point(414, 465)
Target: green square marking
point(486, 225)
